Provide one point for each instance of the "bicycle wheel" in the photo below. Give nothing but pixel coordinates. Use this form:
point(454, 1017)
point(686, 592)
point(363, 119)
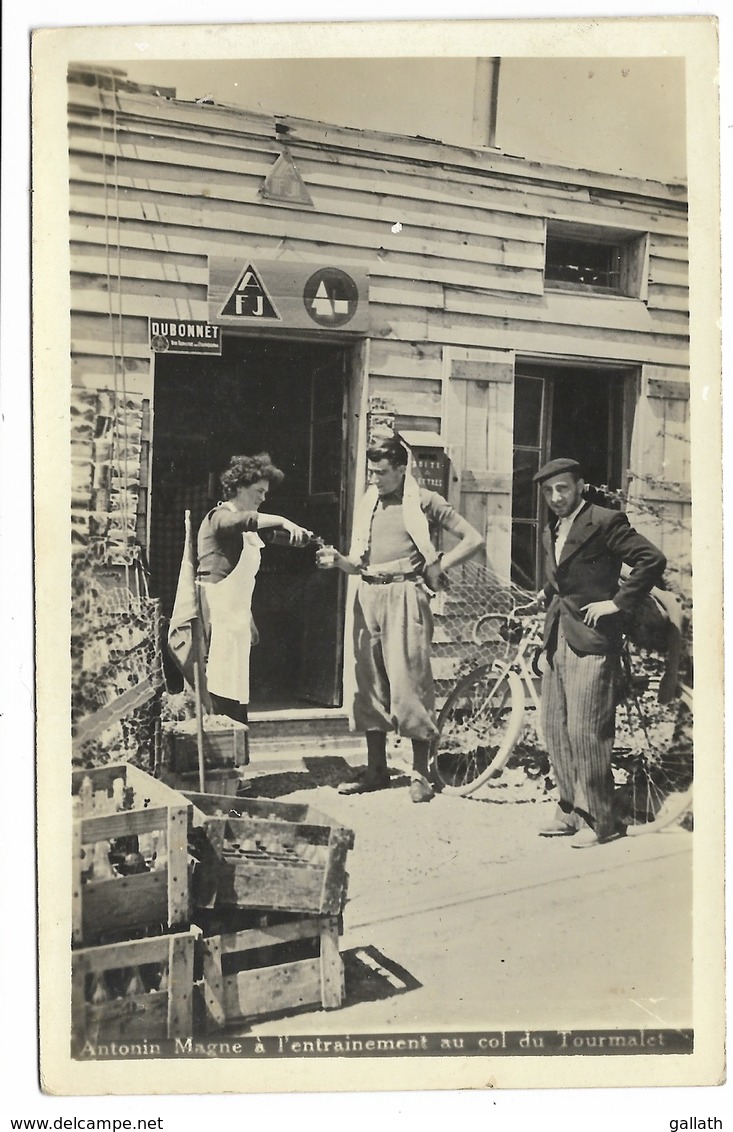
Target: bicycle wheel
point(653, 768)
point(478, 726)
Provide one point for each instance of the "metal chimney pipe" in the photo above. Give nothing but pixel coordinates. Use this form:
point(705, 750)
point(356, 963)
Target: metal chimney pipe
point(485, 102)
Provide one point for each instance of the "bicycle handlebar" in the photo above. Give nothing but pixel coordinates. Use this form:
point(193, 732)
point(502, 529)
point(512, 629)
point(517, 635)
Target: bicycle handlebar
point(510, 626)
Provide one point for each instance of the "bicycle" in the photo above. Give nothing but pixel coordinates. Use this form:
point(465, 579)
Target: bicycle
point(486, 712)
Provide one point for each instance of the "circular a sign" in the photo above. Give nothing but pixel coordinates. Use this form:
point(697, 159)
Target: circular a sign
point(331, 297)
point(160, 343)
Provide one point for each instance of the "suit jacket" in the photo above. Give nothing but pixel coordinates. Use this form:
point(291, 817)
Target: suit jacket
point(598, 542)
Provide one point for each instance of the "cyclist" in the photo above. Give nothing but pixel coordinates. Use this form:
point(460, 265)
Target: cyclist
point(585, 547)
point(393, 555)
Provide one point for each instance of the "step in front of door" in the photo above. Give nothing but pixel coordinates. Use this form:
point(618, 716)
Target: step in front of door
point(279, 734)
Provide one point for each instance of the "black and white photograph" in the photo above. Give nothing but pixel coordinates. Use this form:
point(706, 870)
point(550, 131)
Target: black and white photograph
point(378, 556)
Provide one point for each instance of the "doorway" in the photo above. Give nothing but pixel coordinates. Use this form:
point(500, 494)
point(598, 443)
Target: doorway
point(286, 398)
point(579, 411)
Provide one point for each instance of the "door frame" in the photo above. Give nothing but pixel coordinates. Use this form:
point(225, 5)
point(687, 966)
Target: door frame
point(353, 481)
point(357, 398)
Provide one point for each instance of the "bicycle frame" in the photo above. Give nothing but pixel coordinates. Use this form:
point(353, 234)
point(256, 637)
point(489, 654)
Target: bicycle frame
point(522, 664)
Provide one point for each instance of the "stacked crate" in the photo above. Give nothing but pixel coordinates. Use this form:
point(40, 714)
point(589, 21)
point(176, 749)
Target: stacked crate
point(195, 911)
point(268, 893)
point(225, 752)
point(132, 963)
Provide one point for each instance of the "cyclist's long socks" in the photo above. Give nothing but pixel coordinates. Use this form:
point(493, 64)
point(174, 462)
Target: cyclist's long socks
point(420, 756)
point(376, 750)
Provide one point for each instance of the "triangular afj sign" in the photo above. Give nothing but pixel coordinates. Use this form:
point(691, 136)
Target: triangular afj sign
point(284, 183)
point(249, 298)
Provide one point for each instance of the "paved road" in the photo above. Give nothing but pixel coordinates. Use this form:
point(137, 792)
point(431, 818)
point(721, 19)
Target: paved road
point(610, 947)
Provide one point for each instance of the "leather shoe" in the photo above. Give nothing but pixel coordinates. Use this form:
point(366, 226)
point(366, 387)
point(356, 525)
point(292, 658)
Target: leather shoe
point(421, 790)
point(366, 782)
point(586, 838)
point(557, 829)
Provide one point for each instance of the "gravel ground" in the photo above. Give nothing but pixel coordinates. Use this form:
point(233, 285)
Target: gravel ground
point(403, 846)
point(460, 897)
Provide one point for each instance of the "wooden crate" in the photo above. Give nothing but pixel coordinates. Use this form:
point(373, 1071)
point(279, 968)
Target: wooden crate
point(225, 744)
point(136, 989)
point(272, 855)
point(217, 780)
point(245, 974)
point(113, 907)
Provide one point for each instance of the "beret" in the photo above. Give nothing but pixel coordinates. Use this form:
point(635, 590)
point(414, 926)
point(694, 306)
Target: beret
point(555, 468)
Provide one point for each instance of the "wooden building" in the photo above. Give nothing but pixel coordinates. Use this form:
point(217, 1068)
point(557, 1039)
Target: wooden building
point(242, 282)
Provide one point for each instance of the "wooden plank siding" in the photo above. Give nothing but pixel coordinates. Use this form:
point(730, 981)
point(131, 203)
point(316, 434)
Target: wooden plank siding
point(223, 224)
point(487, 230)
point(482, 212)
point(660, 501)
point(157, 186)
point(477, 192)
point(217, 123)
point(472, 322)
point(479, 424)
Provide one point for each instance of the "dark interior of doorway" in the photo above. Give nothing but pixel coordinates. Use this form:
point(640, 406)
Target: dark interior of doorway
point(285, 398)
point(562, 410)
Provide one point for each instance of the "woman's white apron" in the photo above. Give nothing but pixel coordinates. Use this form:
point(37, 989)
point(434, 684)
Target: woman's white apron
point(230, 609)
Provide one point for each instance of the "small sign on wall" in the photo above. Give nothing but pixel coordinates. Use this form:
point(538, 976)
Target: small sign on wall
point(183, 336)
point(432, 467)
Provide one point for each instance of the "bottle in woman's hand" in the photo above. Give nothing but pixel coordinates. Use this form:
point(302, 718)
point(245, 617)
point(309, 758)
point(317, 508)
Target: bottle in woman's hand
point(291, 536)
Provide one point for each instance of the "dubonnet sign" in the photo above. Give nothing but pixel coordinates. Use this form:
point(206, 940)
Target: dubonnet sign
point(183, 336)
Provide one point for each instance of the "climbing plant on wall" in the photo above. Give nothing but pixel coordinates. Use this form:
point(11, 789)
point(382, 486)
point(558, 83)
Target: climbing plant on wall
point(116, 669)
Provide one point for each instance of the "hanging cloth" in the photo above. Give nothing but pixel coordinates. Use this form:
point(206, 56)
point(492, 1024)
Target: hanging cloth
point(413, 517)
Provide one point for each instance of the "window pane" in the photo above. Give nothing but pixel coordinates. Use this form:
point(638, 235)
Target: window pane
point(524, 536)
point(527, 411)
point(582, 262)
point(524, 505)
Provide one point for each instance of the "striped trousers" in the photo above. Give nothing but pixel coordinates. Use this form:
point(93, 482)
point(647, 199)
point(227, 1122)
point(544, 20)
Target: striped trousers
point(579, 694)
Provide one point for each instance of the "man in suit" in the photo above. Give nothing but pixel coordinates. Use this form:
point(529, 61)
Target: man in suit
point(586, 603)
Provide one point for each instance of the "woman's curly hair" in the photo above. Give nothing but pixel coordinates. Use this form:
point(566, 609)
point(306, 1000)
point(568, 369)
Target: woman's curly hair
point(243, 471)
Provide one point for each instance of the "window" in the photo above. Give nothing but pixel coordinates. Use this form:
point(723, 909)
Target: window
point(603, 261)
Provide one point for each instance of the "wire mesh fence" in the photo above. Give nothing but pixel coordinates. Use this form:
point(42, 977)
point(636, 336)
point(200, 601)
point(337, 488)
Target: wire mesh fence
point(470, 619)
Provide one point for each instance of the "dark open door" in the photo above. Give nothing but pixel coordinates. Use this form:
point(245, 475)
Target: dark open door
point(574, 411)
point(320, 676)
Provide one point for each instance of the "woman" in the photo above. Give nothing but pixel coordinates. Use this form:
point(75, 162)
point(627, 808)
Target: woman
point(228, 560)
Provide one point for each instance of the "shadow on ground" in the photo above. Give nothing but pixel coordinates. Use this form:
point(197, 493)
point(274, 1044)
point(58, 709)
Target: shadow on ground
point(323, 770)
point(371, 977)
